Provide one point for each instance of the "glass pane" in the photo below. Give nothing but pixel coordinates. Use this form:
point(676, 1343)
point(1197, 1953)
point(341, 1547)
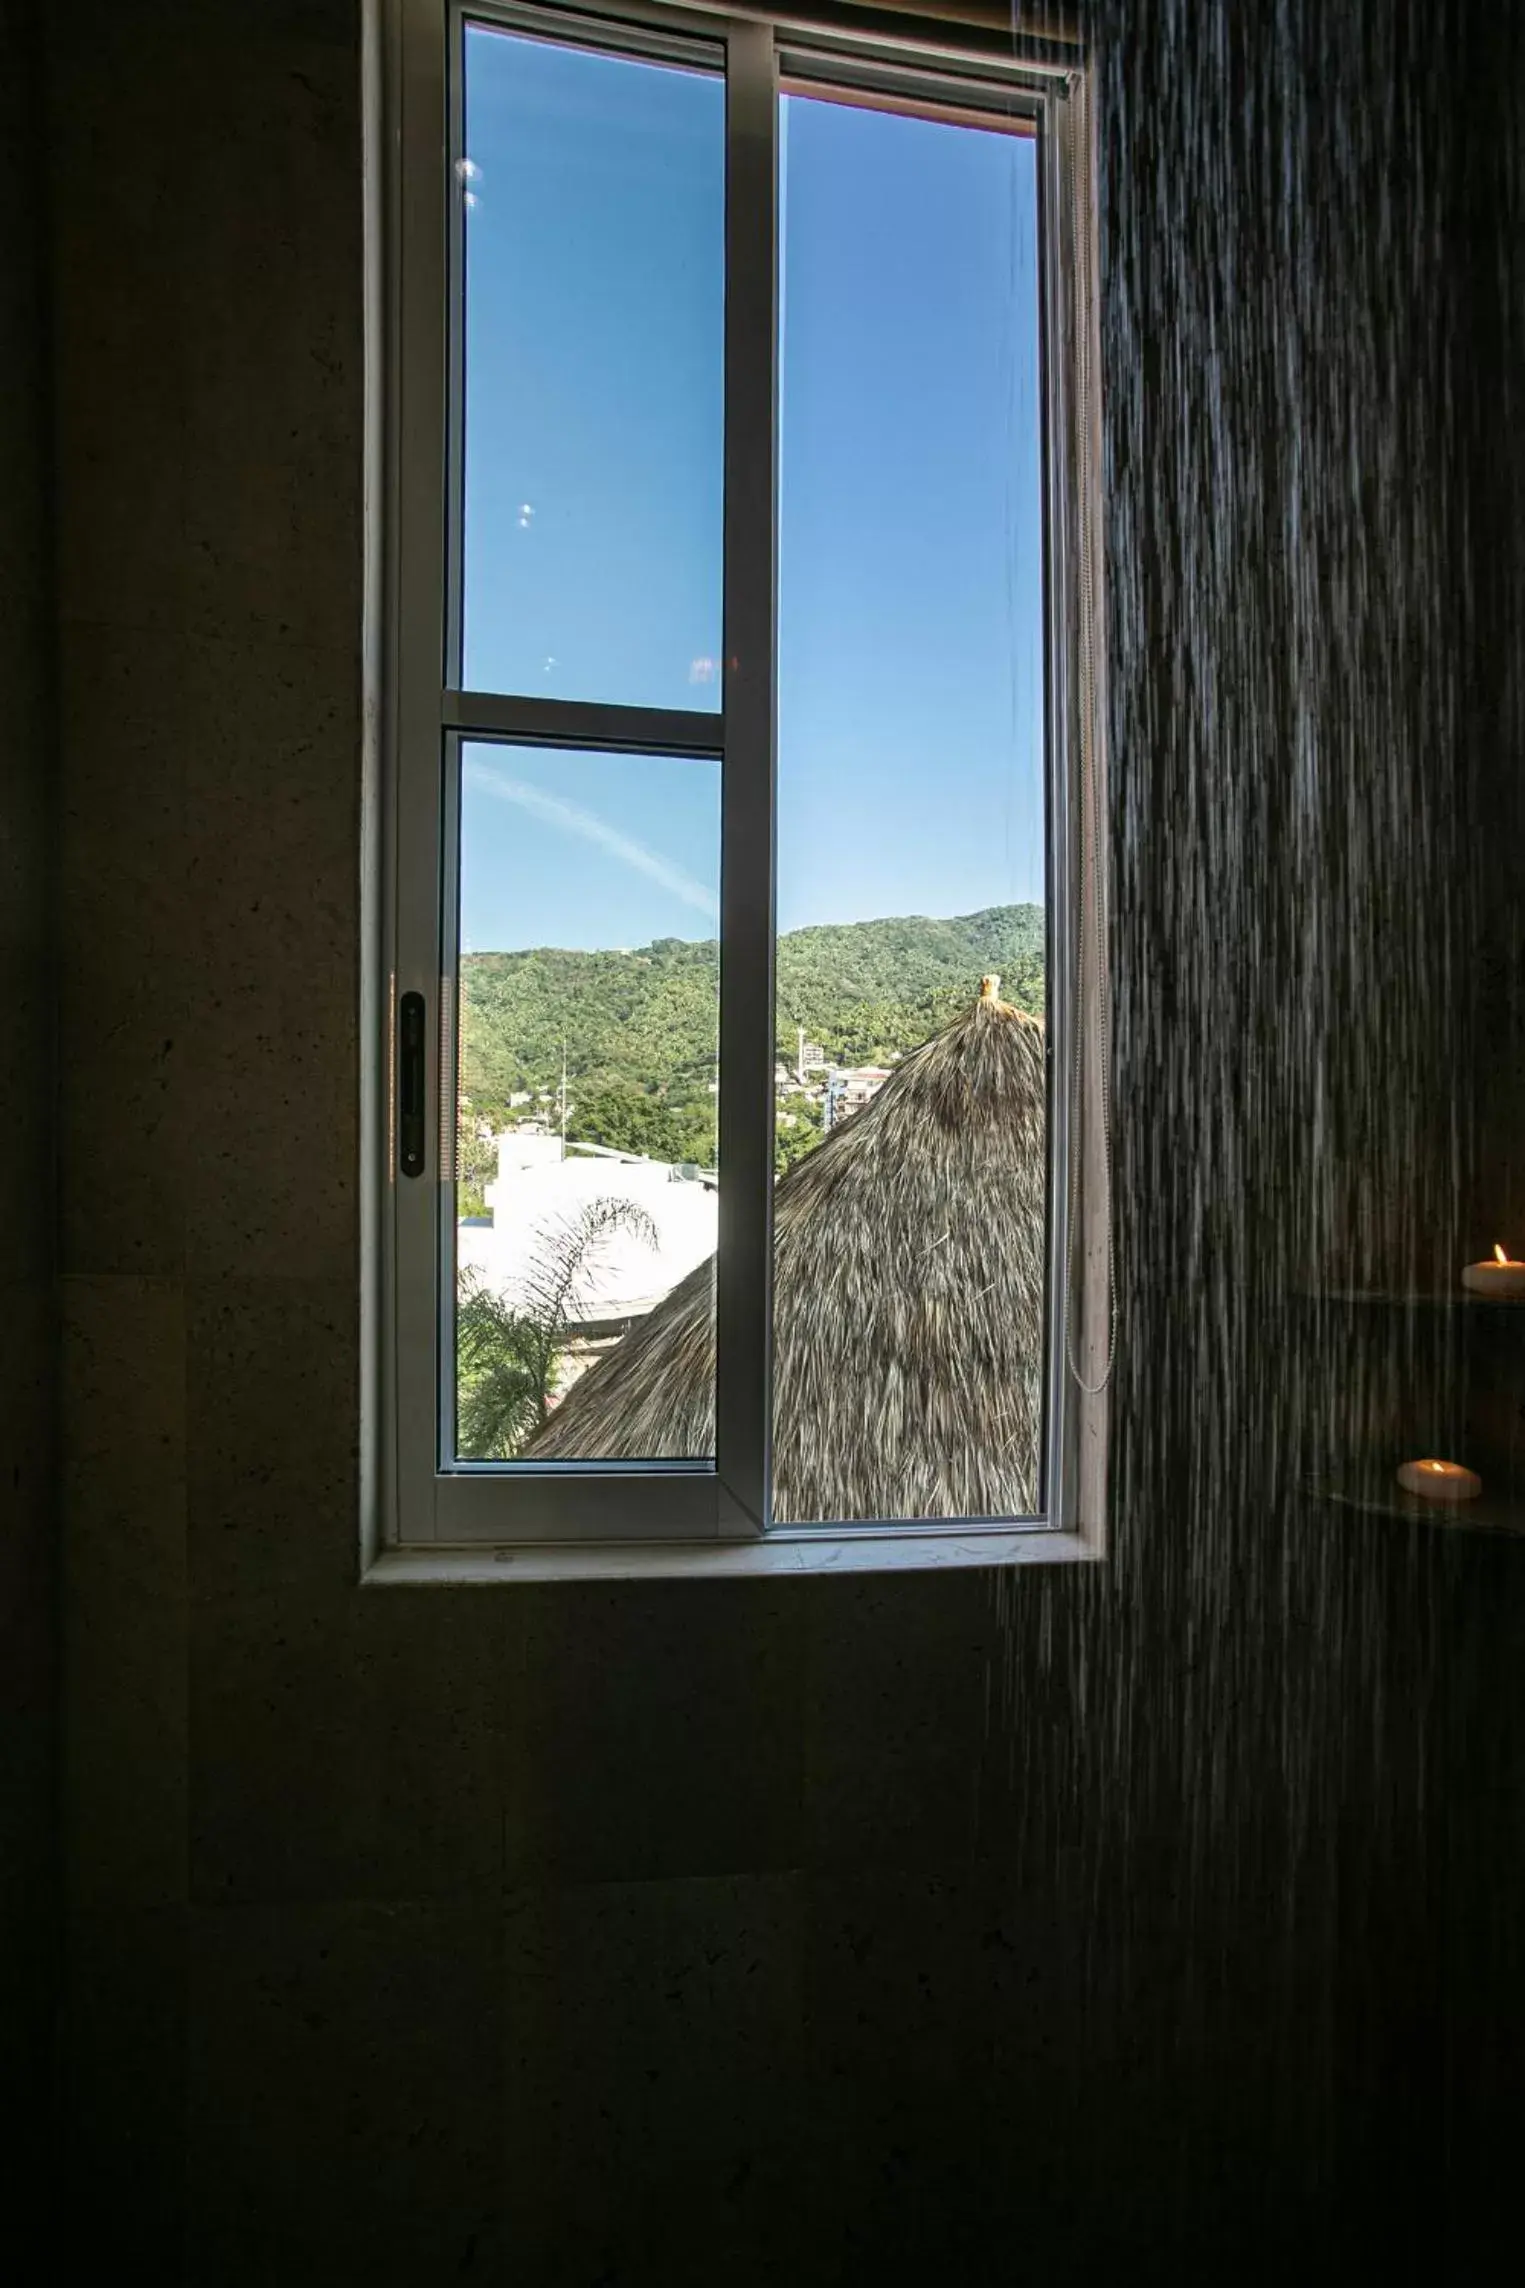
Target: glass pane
point(910, 1211)
point(594, 189)
point(588, 1062)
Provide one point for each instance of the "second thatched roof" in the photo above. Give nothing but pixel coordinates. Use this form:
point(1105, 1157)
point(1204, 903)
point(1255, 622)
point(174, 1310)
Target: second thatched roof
point(909, 1259)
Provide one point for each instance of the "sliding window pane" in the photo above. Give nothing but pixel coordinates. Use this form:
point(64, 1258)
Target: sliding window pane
point(586, 1118)
point(910, 1208)
point(594, 191)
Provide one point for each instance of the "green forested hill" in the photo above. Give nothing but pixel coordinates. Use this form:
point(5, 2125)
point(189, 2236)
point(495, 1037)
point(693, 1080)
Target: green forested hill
point(863, 990)
point(645, 1021)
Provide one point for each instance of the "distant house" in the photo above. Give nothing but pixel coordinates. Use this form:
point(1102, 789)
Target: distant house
point(850, 1087)
point(909, 1278)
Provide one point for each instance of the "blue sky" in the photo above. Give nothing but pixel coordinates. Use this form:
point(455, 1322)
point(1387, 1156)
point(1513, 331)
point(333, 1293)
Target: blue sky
point(910, 698)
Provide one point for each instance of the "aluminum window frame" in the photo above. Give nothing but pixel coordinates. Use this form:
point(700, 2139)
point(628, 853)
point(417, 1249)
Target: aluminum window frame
point(603, 1515)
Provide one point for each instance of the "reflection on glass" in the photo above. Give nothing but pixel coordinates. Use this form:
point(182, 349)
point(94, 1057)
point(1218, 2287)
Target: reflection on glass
point(586, 1117)
point(594, 190)
point(910, 1210)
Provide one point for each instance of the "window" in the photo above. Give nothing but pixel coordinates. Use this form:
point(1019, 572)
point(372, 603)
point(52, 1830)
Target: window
point(740, 1112)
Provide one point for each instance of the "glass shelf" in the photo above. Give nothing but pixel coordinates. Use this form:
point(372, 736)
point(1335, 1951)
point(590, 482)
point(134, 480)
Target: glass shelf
point(1372, 1497)
point(1415, 1298)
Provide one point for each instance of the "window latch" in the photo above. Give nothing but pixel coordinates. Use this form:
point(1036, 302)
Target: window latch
point(410, 1084)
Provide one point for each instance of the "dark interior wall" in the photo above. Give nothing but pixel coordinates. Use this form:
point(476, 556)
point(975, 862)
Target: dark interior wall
point(1299, 1734)
point(28, 1510)
point(1157, 1914)
point(1485, 1658)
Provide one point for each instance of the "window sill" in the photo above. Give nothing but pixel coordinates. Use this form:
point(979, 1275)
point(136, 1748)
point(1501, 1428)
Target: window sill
point(457, 1567)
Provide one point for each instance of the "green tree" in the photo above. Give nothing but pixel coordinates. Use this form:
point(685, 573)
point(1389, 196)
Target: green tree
point(798, 1129)
point(476, 1162)
point(500, 1392)
point(626, 1119)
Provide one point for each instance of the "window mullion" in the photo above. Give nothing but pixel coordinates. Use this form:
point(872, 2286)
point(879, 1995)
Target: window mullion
point(412, 856)
point(744, 1259)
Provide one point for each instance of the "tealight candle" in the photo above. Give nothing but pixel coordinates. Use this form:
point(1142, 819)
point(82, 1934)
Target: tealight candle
point(1440, 1481)
point(1502, 1277)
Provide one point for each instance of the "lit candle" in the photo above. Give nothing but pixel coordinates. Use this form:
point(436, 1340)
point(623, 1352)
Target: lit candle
point(1502, 1277)
point(1440, 1481)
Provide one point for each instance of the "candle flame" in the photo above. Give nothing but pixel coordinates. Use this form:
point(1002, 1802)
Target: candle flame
point(1498, 1253)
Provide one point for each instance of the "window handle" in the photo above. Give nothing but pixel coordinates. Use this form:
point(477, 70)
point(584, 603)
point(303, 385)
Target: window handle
point(410, 1084)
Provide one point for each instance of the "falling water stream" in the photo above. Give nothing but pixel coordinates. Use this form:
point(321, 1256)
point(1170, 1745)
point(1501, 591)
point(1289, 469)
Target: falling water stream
point(1266, 1760)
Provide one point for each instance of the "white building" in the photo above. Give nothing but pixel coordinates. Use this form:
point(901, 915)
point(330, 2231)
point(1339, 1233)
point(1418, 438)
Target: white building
point(850, 1087)
point(537, 1191)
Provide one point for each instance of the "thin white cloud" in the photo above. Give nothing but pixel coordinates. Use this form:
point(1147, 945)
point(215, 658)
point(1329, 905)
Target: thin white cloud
point(552, 810)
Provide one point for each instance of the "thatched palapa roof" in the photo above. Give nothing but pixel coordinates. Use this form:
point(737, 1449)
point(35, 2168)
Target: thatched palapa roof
point(909, 1256)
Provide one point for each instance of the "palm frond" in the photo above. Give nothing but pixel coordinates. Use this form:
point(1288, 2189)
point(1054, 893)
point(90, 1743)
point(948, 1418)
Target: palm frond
point(506, 1353)
point(497, 1373)
point(557, 1286)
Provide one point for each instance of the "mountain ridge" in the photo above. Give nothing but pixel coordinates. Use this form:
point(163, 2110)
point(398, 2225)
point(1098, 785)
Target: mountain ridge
point(644, 1020)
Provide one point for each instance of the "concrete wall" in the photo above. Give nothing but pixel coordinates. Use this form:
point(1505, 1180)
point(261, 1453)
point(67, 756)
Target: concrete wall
point(824, 1931)
point(28, 1511)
